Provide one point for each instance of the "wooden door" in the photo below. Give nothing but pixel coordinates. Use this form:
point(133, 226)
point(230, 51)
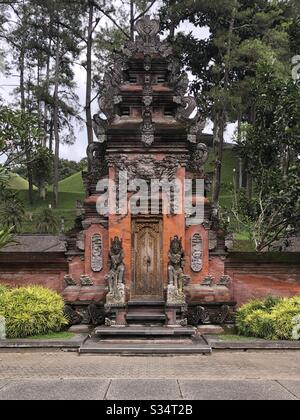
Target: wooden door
point(147, 260)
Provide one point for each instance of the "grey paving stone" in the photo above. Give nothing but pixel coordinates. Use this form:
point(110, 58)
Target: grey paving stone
point(49, 389)
point(233, 390)
point(143, 389)
point(3, 383)
point(293, 386)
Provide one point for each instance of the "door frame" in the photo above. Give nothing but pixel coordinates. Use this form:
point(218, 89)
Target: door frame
point(147, 220)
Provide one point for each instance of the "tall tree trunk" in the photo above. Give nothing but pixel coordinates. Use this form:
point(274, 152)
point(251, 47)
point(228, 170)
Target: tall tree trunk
point(221, 118)
point(46, 93)
point(219, 130)
point(22, 79)
point(56, 125)
point(132, 23)
point(23, 108)
point(88, 106)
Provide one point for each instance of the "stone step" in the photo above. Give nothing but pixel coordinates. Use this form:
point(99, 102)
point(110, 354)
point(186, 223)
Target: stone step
point(98, 347)
point(144, 331)
point(146, 303)
point(146, 310)
point(145, 316)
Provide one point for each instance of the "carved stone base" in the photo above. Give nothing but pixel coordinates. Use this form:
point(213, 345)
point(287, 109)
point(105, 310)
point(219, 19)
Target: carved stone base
point(175, 296)
point(117, 296)
point(217, 315)
point(117, 315)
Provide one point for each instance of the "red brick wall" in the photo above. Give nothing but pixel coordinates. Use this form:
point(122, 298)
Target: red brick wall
point(51, 280)
point(256, 279)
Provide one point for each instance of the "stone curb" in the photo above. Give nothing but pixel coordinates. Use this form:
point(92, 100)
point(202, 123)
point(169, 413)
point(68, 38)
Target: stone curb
point(74, 343)
point(217, 344)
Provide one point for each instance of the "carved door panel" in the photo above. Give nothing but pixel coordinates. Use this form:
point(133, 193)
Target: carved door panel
point(147, 260)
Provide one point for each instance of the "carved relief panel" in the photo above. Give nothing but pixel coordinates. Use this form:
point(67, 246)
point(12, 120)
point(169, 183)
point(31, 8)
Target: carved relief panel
point(97, 253)
point(196, 253)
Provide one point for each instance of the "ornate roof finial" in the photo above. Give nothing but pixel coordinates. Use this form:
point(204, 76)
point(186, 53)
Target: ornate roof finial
point(148, 28)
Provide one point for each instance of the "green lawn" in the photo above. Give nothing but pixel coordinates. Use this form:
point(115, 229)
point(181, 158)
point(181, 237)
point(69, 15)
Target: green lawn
point(16, 182)
point(72, 184)
point(235, 337)
point(53, 336)
point(66, 208)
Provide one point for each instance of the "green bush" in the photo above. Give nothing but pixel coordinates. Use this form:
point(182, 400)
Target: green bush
point(31, 311)
point(270, 318)
point(3, 289)
point(283, 316)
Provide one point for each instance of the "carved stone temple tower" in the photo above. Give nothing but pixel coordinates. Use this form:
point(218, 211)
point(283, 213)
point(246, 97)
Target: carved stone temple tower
point(144, 265)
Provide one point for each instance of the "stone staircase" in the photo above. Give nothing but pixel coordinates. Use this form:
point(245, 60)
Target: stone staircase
point(141, 312)
point(146, 332)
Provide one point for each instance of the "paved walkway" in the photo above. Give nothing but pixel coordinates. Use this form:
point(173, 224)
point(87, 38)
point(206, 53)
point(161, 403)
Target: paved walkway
point(226, 375)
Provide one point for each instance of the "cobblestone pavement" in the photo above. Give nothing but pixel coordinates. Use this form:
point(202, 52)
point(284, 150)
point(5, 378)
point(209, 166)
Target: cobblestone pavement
point(223, 376)
point(221, 365)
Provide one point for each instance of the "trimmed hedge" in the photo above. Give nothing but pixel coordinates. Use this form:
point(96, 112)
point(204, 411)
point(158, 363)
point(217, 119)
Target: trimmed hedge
point(271, 318)
point(32, 311)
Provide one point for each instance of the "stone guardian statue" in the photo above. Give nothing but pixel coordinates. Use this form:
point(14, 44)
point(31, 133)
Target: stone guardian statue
point(116, 286)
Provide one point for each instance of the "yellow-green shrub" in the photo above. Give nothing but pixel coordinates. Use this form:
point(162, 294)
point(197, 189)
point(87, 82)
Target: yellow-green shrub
point(270, 318)
point(31, 311)
point(252, 318)
point(3, 289)
point(283, 315)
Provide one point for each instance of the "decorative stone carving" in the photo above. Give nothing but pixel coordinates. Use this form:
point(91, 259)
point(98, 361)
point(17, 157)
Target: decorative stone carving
point(86, 281)
point(196, 128)
point(199, 156)
point(176, 293)
point(196, 253)
point(187, 107)
point(97, 253)
point(148, 41)
point(100, 126)
point(72, 316)
point(80, 241)
point(97, 315)
point(147, 167)
point(216, 315)
point(148, 29)
point(109, 322)
point(208, 281)
point(97, 167)
point(224, 281)
point(69, 281)
point(197, 315)
point(116, 294)
point(212, 240)
point(109, 89)
point(148, 127)
point(221, 316)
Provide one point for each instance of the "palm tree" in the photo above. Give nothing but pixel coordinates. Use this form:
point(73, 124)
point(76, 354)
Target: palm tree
point(11, 211)
point(6, 236)
point(46, 221)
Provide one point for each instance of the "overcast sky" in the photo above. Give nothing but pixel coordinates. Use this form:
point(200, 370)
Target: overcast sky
point(78, 150)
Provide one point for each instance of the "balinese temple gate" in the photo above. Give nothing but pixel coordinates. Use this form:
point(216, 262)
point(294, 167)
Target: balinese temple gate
point(143, 266)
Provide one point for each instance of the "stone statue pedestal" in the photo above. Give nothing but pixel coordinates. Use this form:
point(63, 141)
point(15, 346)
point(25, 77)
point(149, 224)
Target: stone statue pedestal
point(117, 296)
point(119, 311)
point(175, 296)
point(172, 310)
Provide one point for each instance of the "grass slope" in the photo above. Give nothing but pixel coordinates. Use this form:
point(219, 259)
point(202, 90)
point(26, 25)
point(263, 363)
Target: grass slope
point(72, 184)
point(16, 182)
